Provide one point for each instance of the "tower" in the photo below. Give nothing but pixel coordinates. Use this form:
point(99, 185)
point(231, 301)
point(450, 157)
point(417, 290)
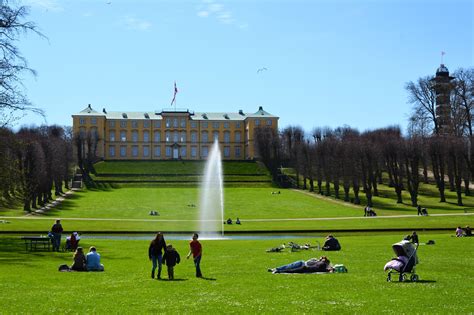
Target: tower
point(442, 86)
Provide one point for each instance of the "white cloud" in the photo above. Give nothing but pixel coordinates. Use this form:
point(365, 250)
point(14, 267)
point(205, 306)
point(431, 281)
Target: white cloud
point(210, 8)
point(136, 24)
point(203, 13)
point(49, 5)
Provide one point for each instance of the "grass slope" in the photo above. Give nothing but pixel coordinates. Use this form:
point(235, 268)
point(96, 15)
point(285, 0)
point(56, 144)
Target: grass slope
point(237, 281)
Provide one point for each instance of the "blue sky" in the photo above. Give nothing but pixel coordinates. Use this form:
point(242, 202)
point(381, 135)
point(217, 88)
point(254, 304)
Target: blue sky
point(329, 63)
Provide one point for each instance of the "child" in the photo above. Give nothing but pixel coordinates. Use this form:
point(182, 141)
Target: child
point(196, 250)
point(171, 258)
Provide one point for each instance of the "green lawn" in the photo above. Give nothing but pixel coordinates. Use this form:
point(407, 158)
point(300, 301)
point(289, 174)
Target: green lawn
point(258, 209)
point(237, 280)
point(176, 167)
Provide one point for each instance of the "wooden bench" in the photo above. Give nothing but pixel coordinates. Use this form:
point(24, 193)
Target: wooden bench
point(31, 242)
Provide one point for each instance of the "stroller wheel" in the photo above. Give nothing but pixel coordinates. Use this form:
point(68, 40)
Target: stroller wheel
point(389, 278)
point(414, 277)
point(402, 277)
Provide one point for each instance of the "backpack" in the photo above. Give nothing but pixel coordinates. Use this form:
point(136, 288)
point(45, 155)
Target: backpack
point(64, 267)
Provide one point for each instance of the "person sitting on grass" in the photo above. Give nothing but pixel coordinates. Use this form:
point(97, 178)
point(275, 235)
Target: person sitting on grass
point(312, 265)
point(459, 232)
point(79, 260)
point(171, 258)
point(93, 260)
point(467, 231)
point(229, 221)
point(331, 243)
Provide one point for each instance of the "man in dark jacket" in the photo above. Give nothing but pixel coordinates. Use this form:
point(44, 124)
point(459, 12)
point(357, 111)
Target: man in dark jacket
point(171, 258)
point(56, 231)
point(331, 243)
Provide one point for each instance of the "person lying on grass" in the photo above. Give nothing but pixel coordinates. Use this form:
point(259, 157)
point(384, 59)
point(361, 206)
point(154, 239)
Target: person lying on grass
point(312, 265)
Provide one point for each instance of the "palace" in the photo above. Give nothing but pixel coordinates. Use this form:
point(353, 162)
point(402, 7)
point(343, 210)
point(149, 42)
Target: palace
point(169, 134)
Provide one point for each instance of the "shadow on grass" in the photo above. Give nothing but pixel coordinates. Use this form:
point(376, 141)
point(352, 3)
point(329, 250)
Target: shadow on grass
point(176, 279)
point(208, 279)
point(13, 250)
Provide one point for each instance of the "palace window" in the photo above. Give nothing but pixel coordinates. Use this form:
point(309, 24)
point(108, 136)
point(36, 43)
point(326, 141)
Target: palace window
point(193, 152)
point(157, 123)
point(204, 151)
point(204, 124)
point(183, 152)
point(215, 125)
point(175, 122)
point(183, 136)
point(204, 137)
point(183, 123)
point(157, 151)
point(237, 152)
point(82, 121)
point(269, 122)
point(112, 135)
point(168, 123)
point(146, 124)
point(93, 121)
point(123, 124)
point(168, 136)
point(193, 124)
point(226, 136)
point(226, 152)
point(146, 151)
point(157, 136)
point(168, 151)
point(215, 135)
point(237, 136)
point(146, 136)
point(193, 136)
point(112, 124)
point(135, 136)
point(123, 135)
point(175, 136)
point(123, 151)
point(112, 151)
point(134, 150)
point(257, 122)
point(134, 124)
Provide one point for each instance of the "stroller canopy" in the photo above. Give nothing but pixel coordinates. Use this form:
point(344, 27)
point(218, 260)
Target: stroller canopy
point(405, 248)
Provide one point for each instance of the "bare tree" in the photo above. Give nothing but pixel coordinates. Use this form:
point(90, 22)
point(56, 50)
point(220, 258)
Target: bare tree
point(13, 100)
point(422, 96)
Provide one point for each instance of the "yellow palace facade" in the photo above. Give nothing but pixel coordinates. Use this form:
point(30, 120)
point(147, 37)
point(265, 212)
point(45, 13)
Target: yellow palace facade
point(170, 134)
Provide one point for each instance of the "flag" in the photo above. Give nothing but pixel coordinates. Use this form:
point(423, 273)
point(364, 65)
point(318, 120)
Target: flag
point(174, 95)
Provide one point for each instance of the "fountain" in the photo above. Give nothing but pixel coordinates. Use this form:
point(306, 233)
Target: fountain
point(212, 196)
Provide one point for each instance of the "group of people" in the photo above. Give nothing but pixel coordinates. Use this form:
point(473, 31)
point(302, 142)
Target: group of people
point(421, 211)
point(229, 221)
point(463, 233)
point(82, 262)
point(369, 212)
point(159, 252)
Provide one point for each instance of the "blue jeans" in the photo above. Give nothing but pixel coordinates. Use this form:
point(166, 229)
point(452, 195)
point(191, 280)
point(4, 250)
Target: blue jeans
point(293, 267)
point(197, 263)
point(56, 241)
point(156, 260)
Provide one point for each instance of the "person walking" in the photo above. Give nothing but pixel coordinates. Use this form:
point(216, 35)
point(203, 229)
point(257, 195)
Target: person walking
point(56, 230)
point(196, 249)
point(171, 258)
point(157, 245)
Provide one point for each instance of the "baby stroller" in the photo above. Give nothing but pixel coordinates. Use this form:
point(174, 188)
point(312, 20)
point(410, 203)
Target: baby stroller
point(404, 264)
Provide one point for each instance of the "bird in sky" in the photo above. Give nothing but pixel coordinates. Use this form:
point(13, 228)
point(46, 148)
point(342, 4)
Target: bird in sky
point(262, 69)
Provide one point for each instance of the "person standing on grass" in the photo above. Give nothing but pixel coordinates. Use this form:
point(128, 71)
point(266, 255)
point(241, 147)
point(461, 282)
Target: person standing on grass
point(196, 249)
point(171, 258)
point(56, 230)
point(155, 249)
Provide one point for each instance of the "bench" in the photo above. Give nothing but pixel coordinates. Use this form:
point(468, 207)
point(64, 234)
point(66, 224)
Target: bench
point(31, 242)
